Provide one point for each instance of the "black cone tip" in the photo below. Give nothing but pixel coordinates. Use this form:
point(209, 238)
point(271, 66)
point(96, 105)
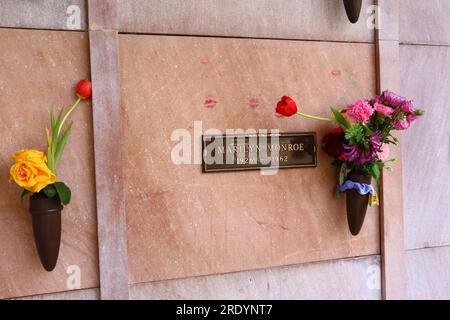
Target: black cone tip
point(353, 9)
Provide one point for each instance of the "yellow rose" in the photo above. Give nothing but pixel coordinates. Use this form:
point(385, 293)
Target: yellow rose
point(35, 156)
point(30, 170)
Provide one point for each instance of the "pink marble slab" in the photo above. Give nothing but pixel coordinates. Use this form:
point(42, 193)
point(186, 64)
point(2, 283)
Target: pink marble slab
point(282, 19)
point(183, 223)
point(343, 279)
point(38, 69)
point(44, 14)
point(427, 273)
point(425, 22)
point(425, 73)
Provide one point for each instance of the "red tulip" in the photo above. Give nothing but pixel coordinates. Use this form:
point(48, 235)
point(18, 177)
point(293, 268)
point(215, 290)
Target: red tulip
point(84, 89)
point(286, 107)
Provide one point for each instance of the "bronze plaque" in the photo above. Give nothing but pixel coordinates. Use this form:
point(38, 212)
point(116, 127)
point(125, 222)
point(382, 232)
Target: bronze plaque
point(255, 151)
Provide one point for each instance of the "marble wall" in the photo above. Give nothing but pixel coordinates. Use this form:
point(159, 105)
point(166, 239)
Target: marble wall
point(177, 227)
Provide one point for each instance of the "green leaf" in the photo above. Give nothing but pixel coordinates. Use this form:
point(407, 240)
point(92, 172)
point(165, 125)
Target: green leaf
point(375, 170)
point(366, 145)
point(56, 125)
point(52, 148)
point(390, 141)
point(50, 190)
point(61, 144)
point(367, 131)
point(419, 112)
point(49, 139)
point(52, 117)
point(64, 192)
point(25, 193)
point(340, 119)
point(355, 134)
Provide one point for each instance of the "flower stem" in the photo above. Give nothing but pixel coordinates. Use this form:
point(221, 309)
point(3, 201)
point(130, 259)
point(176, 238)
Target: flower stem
point(69, 113)
point(315, 117)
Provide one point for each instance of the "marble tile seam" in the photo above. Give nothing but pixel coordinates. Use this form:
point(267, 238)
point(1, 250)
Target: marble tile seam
point(195, 35)
point(53, 292)
point(241, 37)
point(437, 246)
point(43, 29)
point(425, 44)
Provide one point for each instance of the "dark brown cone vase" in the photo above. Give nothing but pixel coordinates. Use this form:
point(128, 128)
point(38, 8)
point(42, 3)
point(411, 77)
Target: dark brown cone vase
point(356, 203)
point(46, 215)
point(353, 9)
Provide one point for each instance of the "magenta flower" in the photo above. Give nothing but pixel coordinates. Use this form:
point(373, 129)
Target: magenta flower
point(375, 140)
point(412, 117)
point(368, 156)
point(393, 99)
point(353, 154)
point(408, 107)
point(401, 124)
point(382, 109)
point(360, 111)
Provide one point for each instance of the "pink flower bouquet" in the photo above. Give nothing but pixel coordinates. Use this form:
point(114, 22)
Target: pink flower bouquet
point(359, 145)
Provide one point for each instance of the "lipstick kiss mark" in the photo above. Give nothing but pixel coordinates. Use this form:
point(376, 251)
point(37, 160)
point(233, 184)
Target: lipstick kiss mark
point(253, 103)
point(336, 72)
point(209, 102)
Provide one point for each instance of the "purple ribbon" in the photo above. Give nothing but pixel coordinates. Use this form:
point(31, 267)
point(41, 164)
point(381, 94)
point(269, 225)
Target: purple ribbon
point(362, 188)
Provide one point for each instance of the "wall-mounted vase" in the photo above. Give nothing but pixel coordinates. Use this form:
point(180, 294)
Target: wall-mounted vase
point(356, 203)
point(46, 217)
